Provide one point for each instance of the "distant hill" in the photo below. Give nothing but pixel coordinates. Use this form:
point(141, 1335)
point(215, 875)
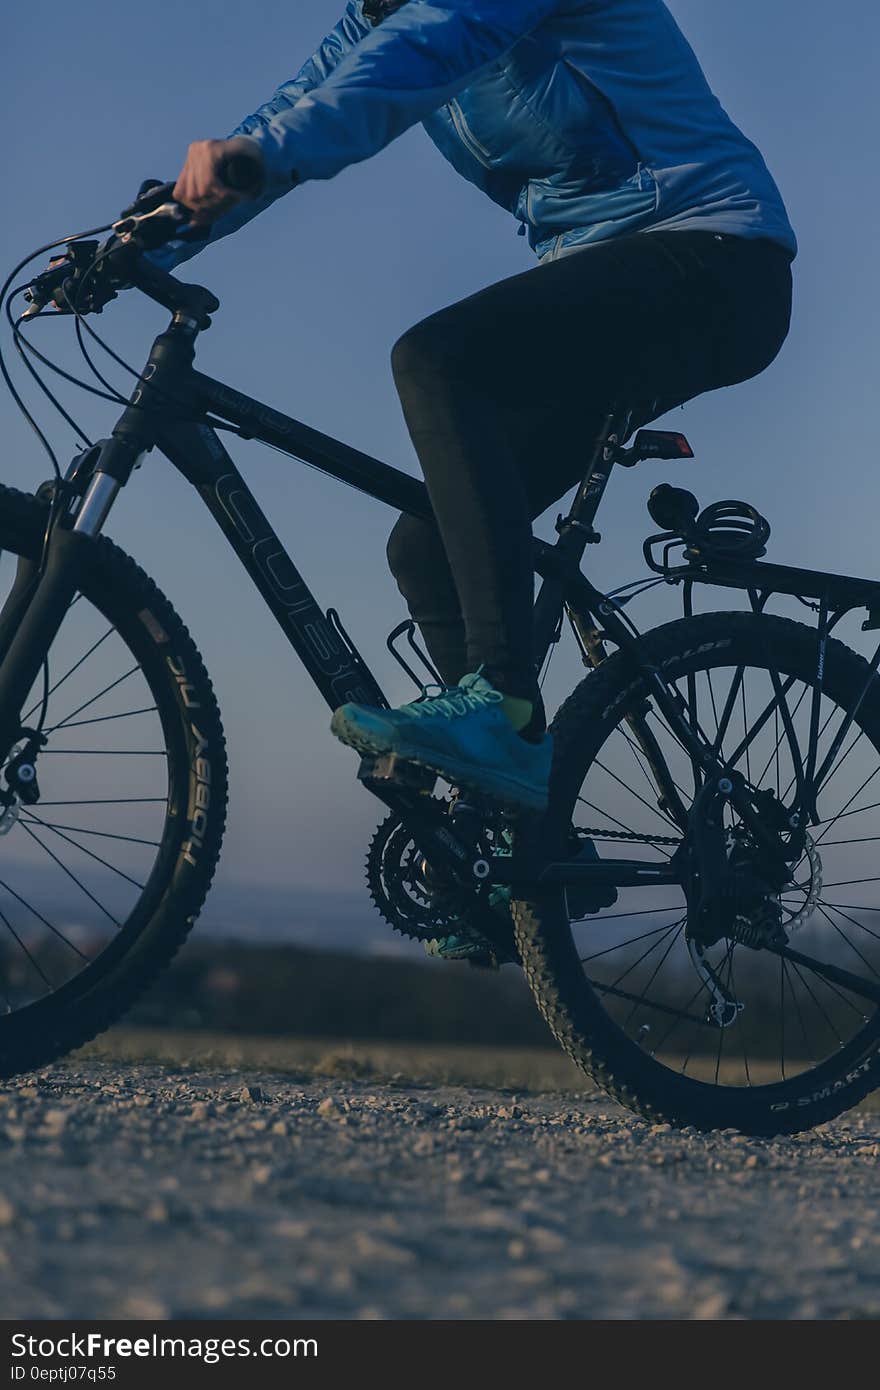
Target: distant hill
point(234, 987)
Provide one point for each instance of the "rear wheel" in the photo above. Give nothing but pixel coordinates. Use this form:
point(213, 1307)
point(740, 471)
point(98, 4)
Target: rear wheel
point(624, 991)
point(105, 860)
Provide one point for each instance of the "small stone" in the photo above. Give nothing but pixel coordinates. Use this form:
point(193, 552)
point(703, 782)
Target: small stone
point(330, 1109)
point(710, 1308)
point(145, 1306)
point(293, 1230)
point(546, 1241)
point(7, 1211)
point(252, 1094)
point(371, 1248)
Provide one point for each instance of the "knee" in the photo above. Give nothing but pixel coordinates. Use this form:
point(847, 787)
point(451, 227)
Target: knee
point(435, 343)
point(417, 561)
point(405, 550)
point(411, 353)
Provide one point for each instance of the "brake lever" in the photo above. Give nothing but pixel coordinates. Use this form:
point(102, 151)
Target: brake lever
point(149, 230)
point(151, 194)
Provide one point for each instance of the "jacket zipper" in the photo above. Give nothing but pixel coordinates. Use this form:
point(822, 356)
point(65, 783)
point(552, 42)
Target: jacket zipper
point(467, 137)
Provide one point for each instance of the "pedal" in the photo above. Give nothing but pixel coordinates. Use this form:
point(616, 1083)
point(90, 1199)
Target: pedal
point(389, 768)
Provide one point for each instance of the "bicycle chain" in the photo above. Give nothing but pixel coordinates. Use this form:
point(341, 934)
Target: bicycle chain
point(592, 832)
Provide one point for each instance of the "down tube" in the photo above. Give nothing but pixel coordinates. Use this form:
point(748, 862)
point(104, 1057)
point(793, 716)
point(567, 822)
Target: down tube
point(198, 454)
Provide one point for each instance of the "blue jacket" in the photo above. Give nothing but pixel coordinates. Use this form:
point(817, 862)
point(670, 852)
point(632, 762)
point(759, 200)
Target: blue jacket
point(586, 119)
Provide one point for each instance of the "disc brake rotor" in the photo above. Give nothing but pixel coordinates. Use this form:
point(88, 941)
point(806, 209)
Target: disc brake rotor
point(815, 889)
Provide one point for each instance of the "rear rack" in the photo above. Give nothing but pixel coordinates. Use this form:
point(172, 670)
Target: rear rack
point(839, 592)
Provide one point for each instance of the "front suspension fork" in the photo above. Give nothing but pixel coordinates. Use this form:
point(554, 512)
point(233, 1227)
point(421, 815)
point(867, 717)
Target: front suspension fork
point(38, 602)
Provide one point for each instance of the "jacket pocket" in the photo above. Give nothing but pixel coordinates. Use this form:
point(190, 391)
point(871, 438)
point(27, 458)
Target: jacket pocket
point(467, 137)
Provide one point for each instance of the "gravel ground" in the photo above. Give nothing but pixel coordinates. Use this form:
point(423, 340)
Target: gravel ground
point(155, 1190)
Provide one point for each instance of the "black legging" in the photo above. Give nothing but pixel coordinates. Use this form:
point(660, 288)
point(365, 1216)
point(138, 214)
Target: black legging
point(504, 393)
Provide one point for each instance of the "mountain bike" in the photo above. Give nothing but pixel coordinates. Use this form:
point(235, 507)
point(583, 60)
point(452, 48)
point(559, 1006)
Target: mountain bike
point(695, 913)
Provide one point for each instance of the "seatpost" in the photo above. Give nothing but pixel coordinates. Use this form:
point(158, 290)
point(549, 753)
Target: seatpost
point(576, 530)
point(586, 501)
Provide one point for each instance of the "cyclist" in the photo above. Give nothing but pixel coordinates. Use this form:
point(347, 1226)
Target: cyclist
point(664, 252)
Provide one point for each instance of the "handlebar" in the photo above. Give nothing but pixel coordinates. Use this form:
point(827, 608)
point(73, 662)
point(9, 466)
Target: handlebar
point(89, 275)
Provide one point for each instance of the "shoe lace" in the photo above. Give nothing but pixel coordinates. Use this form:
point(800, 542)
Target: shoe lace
point(451, 701)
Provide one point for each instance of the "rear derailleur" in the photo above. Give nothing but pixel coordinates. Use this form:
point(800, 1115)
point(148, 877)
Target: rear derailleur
point(733, 887)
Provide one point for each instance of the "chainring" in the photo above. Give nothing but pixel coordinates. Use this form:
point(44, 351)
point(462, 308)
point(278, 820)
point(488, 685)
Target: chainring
point(413, 901)
point(400, 891)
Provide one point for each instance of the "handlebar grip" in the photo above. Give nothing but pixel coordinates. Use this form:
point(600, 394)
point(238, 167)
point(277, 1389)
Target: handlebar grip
point(242, 173)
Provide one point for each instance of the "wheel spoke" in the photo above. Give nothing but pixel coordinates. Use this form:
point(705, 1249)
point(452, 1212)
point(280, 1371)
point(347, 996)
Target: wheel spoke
point(832, 821)
point(35, 820)
point(40, 918)
point(842, 934)
point(39, 969)
point(100, 906)
point(620, 945)
point(101, 719)
point(83, 659)
point(86, 704)
point(646, 953)
point(655, 972)
point(102, 834)
point(806, 984)
point(109, 801)
point(655, 811)
point(108, 752)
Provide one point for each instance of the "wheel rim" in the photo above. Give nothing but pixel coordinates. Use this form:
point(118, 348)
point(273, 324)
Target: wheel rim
point(635, 955)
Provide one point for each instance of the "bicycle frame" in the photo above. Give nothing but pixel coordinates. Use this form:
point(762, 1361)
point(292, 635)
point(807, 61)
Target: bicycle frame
point(178, 410)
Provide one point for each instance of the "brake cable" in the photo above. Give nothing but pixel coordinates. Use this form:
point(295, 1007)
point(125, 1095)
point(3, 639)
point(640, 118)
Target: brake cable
point(4, 371)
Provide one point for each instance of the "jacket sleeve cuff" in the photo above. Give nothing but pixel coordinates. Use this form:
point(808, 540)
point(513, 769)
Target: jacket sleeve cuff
point(280, 175)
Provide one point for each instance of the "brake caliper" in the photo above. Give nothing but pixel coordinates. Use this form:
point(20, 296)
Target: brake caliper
point(21, 770)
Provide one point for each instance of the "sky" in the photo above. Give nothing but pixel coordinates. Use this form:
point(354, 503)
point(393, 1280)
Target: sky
point(315, 292)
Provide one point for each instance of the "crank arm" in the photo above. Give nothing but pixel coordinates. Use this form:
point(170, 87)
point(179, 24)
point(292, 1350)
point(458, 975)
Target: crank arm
point(854, 983)
point(405, 790)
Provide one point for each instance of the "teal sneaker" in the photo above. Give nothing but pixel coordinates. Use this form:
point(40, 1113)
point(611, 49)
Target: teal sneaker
point(466, 943)
point(462, 734)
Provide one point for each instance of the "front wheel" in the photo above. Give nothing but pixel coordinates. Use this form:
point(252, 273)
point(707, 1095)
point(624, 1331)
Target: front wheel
point(625, 992)
point(106, 857)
